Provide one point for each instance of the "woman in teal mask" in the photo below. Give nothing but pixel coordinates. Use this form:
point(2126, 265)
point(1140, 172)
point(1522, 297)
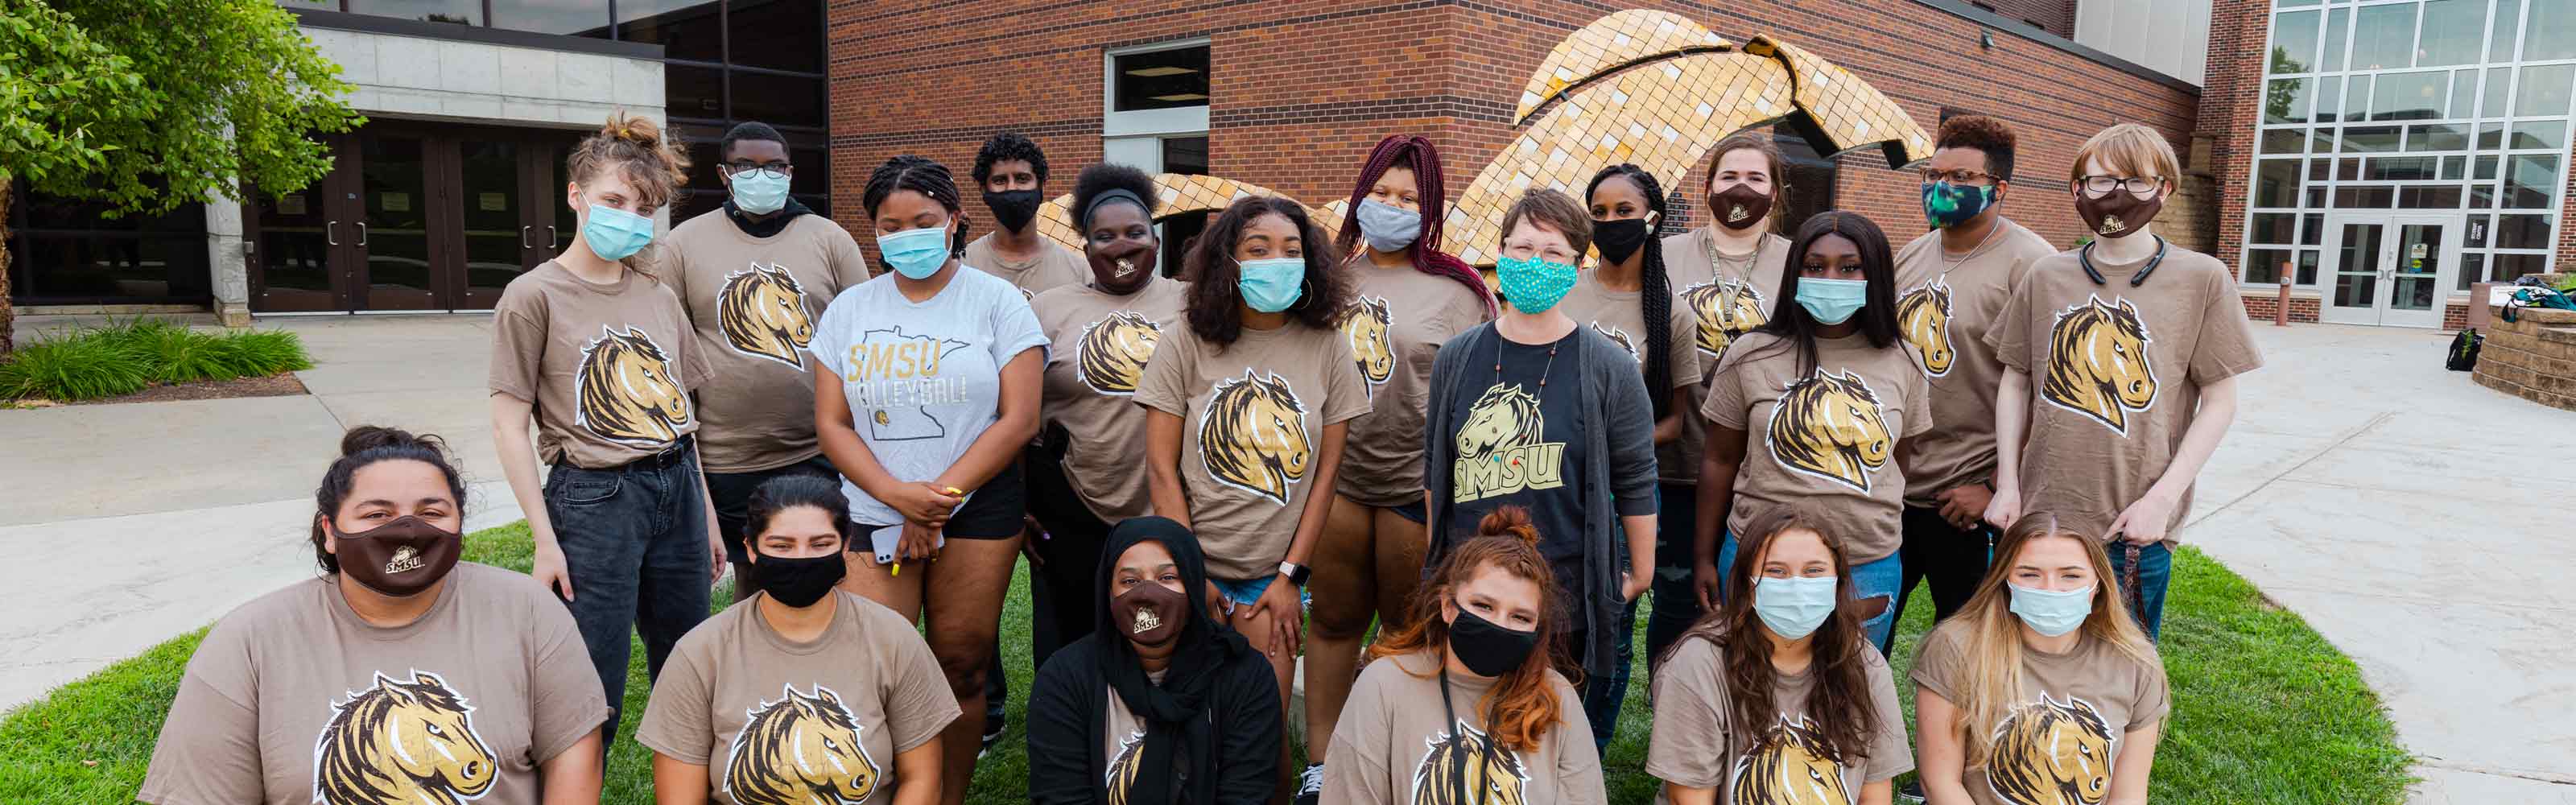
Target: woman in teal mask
point(1246, 408)
point(598, 351)
point(1538, 411)
point(925, 390)
point(1811, 408)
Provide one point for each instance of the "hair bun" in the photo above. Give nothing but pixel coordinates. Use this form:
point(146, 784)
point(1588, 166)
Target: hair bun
point(1508, 521)
point(634, 129)
point(369, 437)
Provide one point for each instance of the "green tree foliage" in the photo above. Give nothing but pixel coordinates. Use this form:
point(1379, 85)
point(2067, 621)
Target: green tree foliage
point(150, 104)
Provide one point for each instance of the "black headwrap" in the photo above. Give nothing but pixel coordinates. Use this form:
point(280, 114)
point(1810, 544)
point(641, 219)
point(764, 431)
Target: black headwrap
point(1082, 219)
point(1176, 710)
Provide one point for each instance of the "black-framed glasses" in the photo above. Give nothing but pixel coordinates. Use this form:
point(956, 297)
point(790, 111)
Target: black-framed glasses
point(776, 170)
point(1964, 178)
point(2099, 186)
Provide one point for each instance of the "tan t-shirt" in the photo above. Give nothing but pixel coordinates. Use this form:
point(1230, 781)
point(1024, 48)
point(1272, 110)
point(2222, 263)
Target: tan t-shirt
point(2076, 711)
point(1694, 746)
point(609, 368)
point(1252, 421)
point(1945, 305)
point(1399, 318)
point(754, 302)
point(1054, 267)
point(1826, 439)
point(777, 721)
point(1729, 297)
point(1393, 744)
point(2104, 422)
point(1618, 314)
point(1101, 345)
point(294, 699)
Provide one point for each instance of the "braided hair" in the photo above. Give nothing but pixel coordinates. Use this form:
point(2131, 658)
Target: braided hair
point(919, 175)
point(1656, 287)
point(1415, 153)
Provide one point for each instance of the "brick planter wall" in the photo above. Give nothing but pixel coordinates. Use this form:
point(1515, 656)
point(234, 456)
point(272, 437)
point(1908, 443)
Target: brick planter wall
point(2533, 357)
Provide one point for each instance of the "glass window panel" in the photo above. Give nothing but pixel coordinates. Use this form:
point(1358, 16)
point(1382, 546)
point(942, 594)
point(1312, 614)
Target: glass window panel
point(2316, 198)
point(2383, 37)
point(566, 17)
point(686, 29)
point(2429, 198)
point(2437, 137)
point(2276, 183)
point(2473, 269)
point(2285, 100)
point(777, 34)
point(2333, 60)
point(2509, 266)
point(693, 91)
point(2454, 168)
point(780, 100)
point(2464, 93)
point(2530, 180)
point(2551, 31)
point(2499, 81)
point(112, 267)
point(2482, 196)
point(2478, 226)
point(2320, 169)
point(2370, 138)
point(2490, 136)
point(813, 170)
point(461, 12)
point(2329, 98)
point(2550, 134)
point(2500, 31)
point(2356, 98)
point(2284, 141)
point(2409, 96)
point(2307, 267)
point(2294, 3)
point(2263, 266)
point(2400, 169)
point(2294, 42)
point(2351, 169)
point(2272, 227)
point(1162, 79)
point(2543, 90)
point(705, 152)
point(2522, 232)
point(2313, 231)
point(2454, 31)
point(2365, 198)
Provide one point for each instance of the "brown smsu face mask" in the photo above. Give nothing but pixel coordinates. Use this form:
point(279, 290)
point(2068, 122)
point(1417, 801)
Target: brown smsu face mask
point(400, 558)
point(2119, 214)
point(1151, 614)
point(1739, 207)
point(1123, 269)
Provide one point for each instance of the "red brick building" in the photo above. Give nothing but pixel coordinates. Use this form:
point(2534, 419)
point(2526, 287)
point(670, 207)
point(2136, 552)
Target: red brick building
point(1297, 92)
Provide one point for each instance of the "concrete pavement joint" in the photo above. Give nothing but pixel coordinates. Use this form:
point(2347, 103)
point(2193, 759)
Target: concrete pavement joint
point(2551, 778)
point(2340, 441)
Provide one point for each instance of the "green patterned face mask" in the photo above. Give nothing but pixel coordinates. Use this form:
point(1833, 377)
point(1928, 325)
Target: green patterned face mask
point(1533, 285)
point(1947, 205)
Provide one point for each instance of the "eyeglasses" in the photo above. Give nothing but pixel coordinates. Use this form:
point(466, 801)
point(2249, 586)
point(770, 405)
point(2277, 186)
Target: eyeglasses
point(776, 170)
point(1967, 178)
point(2099, 186)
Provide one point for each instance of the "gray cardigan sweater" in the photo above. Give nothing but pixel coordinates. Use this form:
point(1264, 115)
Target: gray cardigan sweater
point(1619, 431)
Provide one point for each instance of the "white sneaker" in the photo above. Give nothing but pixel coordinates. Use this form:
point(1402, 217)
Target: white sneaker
point(1310, 784)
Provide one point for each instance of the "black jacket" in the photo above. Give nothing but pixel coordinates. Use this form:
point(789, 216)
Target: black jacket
point(1069, 714)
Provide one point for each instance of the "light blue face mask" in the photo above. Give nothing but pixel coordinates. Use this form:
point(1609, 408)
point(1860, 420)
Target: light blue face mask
point(1533, 285)
point(1272, 285)
point(1832, 301)
point(1794, 607)
point(2051, 612)
point(616, 234)
point(1388, 227)
point(915, 253)
point(759, 191)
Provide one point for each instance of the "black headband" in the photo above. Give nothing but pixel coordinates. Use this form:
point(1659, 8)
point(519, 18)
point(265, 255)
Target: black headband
point(1105, 197)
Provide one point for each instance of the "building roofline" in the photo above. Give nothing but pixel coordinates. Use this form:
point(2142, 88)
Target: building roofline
point(2015, 27)
point(369, 23)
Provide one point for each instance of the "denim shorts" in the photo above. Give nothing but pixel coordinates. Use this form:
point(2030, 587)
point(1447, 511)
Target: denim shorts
point(1243, 593)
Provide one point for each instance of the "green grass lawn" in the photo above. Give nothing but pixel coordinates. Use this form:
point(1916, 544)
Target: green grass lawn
point(2264, 710)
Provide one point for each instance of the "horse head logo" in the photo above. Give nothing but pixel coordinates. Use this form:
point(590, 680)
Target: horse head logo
point(1832, 427)
point(1494, 776)
point(1726, 309)
point(402, 743)
point(625, 392)
point(2052, 752)
point(1504, 417)
point(1924, 316)
point(1617, 336)
point(1122, 769)
point(763, 313)
point(1253, 436)
point(801, 750)
point(1792, 766)
point(1366, 324)
point(1112, 353)
point(2097, 363)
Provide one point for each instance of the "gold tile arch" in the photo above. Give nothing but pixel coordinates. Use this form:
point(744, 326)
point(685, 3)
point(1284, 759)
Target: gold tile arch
point(1621, 38)
point(1848, 109)
point(1175, 194)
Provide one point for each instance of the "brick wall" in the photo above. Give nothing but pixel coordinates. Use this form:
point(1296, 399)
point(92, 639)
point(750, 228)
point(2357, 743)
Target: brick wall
point(2261, 307)
point(2230, 98)
point(2054, 16)
point(1300, 90)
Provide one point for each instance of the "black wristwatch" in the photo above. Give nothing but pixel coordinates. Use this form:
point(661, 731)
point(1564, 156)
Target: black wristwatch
point(1296, 573)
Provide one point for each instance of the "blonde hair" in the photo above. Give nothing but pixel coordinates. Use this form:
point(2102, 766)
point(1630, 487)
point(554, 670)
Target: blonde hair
point(636, 148)
point(1988, 634)
point(2128, 147)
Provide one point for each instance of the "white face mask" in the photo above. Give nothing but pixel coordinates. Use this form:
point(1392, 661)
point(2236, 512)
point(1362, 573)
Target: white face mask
point(2052, 612)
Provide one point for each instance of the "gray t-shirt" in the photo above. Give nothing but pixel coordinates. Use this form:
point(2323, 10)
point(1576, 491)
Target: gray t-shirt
point(923, 380)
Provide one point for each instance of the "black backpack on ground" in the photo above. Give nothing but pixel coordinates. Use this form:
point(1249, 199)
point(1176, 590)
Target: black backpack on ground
point(2464, 351)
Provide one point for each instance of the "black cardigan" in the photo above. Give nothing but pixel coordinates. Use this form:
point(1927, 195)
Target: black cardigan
point(1069, 708)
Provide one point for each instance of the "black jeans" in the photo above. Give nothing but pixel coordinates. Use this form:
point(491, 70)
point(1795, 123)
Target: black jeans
point(1953, 558)
point(634, 540)
point(1676, 595)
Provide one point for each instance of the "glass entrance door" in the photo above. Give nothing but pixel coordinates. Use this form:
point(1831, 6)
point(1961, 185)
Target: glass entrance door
point(2389, 269)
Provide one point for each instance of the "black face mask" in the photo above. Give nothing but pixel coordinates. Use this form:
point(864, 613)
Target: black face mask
point(1013, 209)
point(1487, 649)
point(1620, 238)
point(798, 582)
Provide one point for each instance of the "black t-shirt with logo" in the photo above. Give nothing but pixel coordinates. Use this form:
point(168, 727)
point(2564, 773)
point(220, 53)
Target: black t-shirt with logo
point(1522, 444)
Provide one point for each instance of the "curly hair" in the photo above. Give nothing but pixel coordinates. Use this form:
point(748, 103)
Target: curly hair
point(1005, 146)
point(1101, 178)
point(1523, 700)
point(636, 149)
point(919, 175)
point(1985, 134)
point(1415, 153)
point(1215, 306)
point(1656, 301)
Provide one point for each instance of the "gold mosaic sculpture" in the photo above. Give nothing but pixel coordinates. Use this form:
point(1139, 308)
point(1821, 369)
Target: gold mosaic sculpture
point(1646, 87)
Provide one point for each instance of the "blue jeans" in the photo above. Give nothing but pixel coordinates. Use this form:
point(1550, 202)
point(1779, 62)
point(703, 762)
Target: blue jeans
point(1603, 695)
point(634, 540)
point(1676, 597)
point(2155, 570)
point(1877, 580)
point(1245, 593)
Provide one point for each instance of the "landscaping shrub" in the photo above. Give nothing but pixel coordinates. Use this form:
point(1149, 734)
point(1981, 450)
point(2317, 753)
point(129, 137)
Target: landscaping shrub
point(124, 357)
